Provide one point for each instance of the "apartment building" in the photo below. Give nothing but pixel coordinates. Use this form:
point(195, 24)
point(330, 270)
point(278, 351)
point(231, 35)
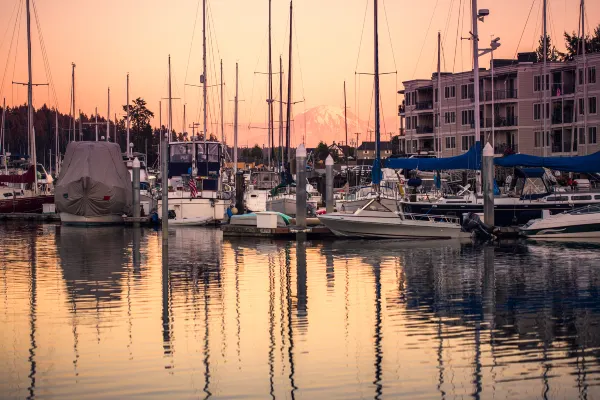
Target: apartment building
point(517, 119)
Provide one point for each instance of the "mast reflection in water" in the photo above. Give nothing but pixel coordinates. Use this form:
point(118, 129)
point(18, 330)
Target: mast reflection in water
point(109, 312)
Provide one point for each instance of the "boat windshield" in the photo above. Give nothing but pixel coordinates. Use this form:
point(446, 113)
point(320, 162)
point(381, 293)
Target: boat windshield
point(591, 209)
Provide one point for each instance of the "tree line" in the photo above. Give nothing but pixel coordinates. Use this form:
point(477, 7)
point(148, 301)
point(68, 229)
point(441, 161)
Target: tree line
point(573, 44)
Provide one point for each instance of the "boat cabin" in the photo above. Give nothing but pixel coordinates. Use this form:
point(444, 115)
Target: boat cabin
point(208, 154)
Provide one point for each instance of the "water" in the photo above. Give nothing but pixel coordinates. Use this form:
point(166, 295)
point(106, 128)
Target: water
point(95, 313)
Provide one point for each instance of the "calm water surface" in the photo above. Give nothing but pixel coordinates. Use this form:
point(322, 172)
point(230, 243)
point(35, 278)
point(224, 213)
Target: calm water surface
point(100, 313)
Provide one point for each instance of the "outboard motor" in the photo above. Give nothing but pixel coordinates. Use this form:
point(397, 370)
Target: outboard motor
point(473, 224)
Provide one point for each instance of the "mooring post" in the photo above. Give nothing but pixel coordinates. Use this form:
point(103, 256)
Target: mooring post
point(329, 184)
point(136, 192)
point(301, 186)
point(487, 167)
point(164, 177)
point(239, 192)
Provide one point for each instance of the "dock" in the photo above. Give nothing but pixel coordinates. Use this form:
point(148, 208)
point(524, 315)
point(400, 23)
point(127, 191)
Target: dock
point(312, 232)
point(55, 217)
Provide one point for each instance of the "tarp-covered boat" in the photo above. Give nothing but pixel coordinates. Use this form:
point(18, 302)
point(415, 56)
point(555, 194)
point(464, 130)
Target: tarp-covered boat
point(94, 186)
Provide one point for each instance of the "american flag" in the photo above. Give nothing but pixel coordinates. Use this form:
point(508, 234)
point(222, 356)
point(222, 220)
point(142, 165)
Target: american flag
point(193, 189)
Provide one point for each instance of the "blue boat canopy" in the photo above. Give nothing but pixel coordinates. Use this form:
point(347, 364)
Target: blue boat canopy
point(470, 160)
point(589, 163)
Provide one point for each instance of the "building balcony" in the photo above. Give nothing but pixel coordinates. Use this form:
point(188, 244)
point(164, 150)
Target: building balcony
point(506, 149)
point(560, 89)
point(424, 129)
point(481, 124)
point(424, 105)
point(501, 94)
point(500, 122)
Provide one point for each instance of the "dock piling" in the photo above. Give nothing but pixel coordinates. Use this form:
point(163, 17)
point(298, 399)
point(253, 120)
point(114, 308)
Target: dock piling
point(329, 184)
point(239, 192)
point(136, 190)
point(301, 186)
point(487, 165)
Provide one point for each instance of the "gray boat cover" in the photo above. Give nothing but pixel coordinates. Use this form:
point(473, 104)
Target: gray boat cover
point(93, 181)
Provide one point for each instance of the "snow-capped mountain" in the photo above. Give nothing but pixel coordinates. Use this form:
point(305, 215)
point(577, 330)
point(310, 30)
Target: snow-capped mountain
point(326, 123)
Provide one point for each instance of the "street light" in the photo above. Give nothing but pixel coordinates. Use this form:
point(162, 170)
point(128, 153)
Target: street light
point(494, 44)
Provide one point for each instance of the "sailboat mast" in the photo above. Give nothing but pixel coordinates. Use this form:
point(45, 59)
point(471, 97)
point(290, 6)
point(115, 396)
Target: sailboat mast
point(544, 81)
point(270, 100)
point(377, 130)
point(32, 151)
point(96, 124)
point(222, 110)
point(346, 121)
point(108, 118)
point(289, 97)
point(585, 81)
point(438, 138)
point(280, 112)
point(170, 112)
point(204, 64)
point(128, 146)
point(235, 124)
point(56, 144)
point(4, 136)
point(73, 98)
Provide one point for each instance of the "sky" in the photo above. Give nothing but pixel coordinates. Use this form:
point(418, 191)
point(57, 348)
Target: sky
point(333, 41)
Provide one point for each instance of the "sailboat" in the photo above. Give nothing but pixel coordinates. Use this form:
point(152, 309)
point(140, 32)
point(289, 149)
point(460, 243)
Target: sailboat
point(375, 220)
point(283, 197)
point(194, 170)
point(25, 192)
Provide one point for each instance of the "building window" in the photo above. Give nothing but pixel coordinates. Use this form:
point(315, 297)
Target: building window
point(592, 134)
point(435, 96)
point(467, 91)
point(592, 106)
point(437, 120)
point(581, 136)
point(450, 92)
point(581, 106)
point(450, 142)
point(538, 139)
point(468, 117)
point(537, 110)
point(450, 117)
point(581, 76)
point(591, 74)
point(467, 142)
point(538, 83)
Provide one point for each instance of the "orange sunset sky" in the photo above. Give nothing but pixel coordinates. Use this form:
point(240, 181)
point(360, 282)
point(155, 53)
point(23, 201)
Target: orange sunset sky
point(109, 38)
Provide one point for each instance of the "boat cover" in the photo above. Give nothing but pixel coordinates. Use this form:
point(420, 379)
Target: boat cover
point(469, 160)
point(93, 181)
point(589, 163)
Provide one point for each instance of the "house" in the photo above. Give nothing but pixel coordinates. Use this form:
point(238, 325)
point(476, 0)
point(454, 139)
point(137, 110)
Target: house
point(366, 151)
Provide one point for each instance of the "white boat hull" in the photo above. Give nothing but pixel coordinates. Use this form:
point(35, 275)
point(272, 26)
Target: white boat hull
point(564, 226)
point(370, 225)
point(70, 219)
point(286, 205)
point(195, 208)
point(197, 221)
point(256, 200)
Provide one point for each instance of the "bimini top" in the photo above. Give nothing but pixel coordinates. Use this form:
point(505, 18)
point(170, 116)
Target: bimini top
point(470, 160)
point(589, 163)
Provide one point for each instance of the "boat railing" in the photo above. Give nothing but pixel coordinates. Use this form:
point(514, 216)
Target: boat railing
point(432, 218)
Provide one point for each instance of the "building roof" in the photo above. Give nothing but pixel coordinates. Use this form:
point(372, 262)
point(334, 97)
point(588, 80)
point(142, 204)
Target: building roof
point(371, 146)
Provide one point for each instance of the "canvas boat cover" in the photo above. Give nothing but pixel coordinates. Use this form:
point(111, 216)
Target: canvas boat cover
point(93, 181)
point(469, 160)
point(589, 163)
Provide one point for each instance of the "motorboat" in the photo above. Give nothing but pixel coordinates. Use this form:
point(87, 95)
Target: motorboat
point(258, 190)
point(374, 220)
point(94, 187)
point(250, 219)
point(208, 200)
point(284, 199)
point(17, 194)
point(526, 199)
point(582, 222)
point(192, 221)
point(358, 197)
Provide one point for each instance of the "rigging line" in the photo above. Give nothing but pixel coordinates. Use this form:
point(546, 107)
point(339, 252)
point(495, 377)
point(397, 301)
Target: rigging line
point(390, 35)
point(462, 29)
point(300, 68)
point(191, 46)
point(425, 38)
point(17, 18)
point(456, 40)
point(8, 24)
point(524, 27)
point(16, 55)
point(254, 80)
point(45, 54)
point(445, 31)
point(536, 34)
point(361, 35)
